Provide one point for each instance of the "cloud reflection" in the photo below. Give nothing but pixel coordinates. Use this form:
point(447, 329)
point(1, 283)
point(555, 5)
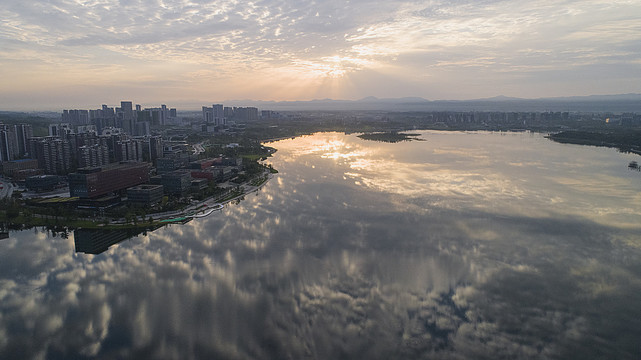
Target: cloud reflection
point(327, 269)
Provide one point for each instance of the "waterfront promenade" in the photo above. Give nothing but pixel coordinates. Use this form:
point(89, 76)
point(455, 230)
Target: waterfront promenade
point(196, 207)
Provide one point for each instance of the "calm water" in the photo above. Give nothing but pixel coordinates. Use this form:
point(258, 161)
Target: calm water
point(462, 246)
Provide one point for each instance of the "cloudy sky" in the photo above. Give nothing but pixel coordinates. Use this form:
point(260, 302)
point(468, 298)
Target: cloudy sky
point(65, 53)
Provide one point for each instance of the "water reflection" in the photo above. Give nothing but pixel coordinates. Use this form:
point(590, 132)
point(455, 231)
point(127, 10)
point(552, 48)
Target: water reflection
point(321, 264)
point(4, 231)
point(91, 241)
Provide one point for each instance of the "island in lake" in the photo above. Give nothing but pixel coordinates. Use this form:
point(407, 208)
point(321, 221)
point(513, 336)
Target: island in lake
point(390, 137)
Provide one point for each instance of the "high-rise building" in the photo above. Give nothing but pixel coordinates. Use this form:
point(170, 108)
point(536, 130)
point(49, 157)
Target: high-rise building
point(127, 109)
point(125, 117)
point(14, 141)
point(155, 148)
point(214, 115)
point(93, 155)
point(246, 113)
point(76, 117)
point(23, 132)
point(54, 155)
point(87, 129)
point(142, 128)
point(7, 143)
point(129, 150)
point(60, 130)
point(219, 113)
point(157, 116)
point(102, 118)
point(208, 114)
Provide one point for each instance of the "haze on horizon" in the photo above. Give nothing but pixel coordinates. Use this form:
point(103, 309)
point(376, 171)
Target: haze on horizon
point(82, 53)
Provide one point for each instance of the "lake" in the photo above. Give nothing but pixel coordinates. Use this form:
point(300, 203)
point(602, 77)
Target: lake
point(459, 246)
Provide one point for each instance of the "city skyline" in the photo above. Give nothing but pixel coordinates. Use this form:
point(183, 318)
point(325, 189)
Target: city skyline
point(60, 54)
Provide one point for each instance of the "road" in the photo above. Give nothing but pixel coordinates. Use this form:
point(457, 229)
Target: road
point(6, 188)
point(198, 148)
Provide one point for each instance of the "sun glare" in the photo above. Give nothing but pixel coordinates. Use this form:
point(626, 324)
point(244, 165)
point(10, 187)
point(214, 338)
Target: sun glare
point(316, 69)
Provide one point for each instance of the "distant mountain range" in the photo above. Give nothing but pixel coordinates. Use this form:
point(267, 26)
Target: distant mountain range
point(592, 103)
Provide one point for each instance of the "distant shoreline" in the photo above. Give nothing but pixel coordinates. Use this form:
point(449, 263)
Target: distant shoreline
point(629, 141)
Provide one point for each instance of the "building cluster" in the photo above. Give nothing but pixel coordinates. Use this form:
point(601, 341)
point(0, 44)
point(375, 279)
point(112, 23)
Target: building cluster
point(524, 120)
point(67, 149)
point(84, 138)
point(142, 185)
point(215, 117)
point(14, 141)
point(101, 163)
point(625, 119)
point(135, 121)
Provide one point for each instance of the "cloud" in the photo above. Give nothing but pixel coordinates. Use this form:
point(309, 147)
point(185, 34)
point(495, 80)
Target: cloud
point(323, 40)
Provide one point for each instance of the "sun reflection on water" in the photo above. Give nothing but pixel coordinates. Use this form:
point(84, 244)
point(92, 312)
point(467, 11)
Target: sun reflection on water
point(463, 170)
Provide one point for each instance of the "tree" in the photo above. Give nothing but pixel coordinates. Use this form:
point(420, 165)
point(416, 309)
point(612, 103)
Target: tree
point(13, 212)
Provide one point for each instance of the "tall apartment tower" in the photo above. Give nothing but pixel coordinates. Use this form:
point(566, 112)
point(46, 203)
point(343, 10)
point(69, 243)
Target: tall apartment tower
point(102, 118)
point(54, 154)
point(23, 132)
point(214, 115)
point(93, 155)
point(125, 116)
point(127, 109)
point(165, 114)
point(219, 114)
point(76, 117)
point(208, 114)
point(14, 141)
point(7, 143)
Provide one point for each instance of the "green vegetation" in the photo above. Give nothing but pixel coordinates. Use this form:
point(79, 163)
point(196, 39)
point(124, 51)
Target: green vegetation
point(626, 140)
point(236, 192)
point(259, 180)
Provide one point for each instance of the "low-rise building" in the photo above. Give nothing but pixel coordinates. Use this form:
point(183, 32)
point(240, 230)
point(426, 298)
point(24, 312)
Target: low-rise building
point(97, 181)
point(145, 195)
point(216, 173)
point(42, 183)
point(201, 164)
point(9, 167)
point(22, 175)
point(199, 185)
point(176, 182)
point(167, 164)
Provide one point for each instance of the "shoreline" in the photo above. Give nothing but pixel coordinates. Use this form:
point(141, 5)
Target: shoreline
point(192, 213)
point(159, 219)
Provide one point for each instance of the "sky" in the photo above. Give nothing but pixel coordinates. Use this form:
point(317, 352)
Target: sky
point(57, 54)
